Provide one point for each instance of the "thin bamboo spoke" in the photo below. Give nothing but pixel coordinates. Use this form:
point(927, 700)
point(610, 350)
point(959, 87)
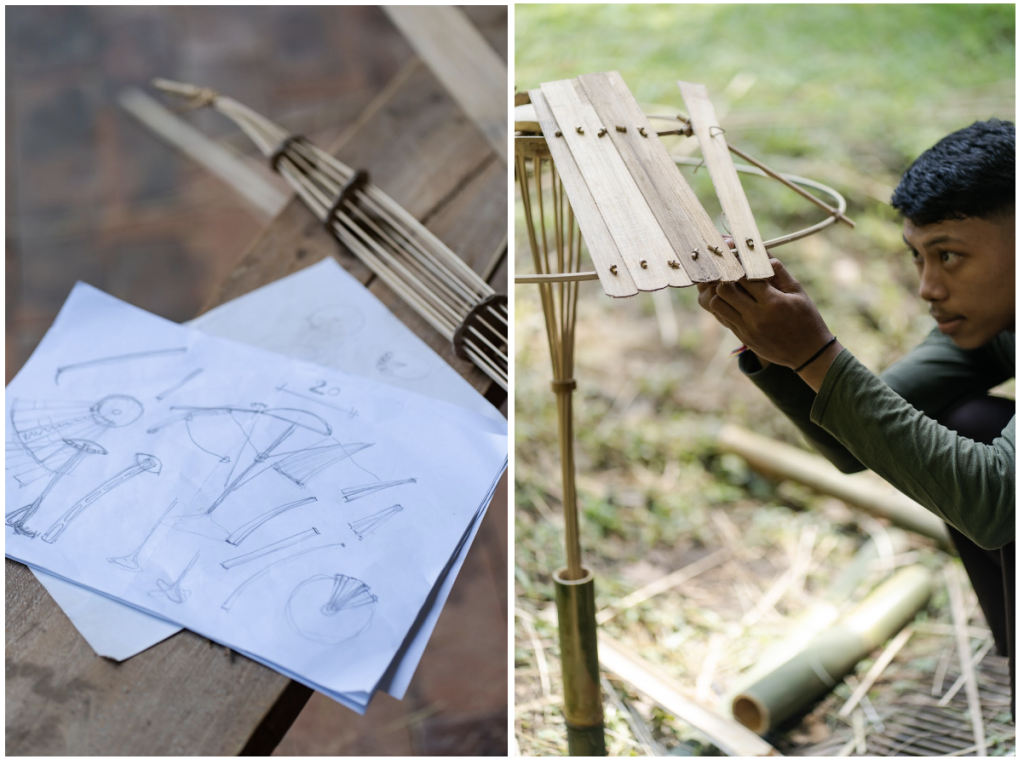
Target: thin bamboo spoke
point(401, 251)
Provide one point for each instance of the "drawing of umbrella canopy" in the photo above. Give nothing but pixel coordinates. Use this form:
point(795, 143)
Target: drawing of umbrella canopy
point(47, 433)
point(247, 441)
point(331, 609)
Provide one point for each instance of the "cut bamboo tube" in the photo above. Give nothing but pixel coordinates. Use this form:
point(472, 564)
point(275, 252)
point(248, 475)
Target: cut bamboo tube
point(814, 620)
point(832, 654)
point(584, 715)
point(874, 496)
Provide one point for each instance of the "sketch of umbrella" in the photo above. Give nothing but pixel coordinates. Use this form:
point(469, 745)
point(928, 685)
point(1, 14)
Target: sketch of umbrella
point(42, 429)
point(273, 427)
point(79, 448)
point(144, 463)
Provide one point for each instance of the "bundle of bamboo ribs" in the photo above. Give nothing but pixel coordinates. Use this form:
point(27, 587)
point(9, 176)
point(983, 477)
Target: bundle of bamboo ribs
point(399, 250)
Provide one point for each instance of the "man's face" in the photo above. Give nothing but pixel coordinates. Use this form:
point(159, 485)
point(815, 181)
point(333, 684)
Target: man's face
point(966, 269)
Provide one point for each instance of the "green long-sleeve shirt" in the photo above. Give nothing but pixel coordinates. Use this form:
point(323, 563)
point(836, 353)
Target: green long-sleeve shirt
point(887, 423)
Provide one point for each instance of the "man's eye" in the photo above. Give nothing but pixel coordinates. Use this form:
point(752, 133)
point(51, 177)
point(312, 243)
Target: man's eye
point(915, 256)
point(948, 257)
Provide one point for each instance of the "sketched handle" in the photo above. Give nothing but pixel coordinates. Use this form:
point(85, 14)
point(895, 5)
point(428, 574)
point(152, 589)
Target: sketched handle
point(144, 463)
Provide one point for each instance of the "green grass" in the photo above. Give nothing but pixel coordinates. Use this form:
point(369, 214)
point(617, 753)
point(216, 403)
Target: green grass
point(837, 79)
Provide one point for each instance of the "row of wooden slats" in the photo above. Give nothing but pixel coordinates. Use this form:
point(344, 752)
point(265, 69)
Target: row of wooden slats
point(644, 227)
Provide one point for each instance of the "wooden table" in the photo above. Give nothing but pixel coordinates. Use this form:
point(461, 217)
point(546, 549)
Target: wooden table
point(188, 695)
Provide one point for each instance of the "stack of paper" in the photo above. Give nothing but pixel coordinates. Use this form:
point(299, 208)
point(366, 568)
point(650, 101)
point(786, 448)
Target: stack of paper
point(311, 519)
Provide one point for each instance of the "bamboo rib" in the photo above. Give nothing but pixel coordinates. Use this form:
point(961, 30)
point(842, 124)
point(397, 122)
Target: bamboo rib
point(557, 249)
point(403, 253)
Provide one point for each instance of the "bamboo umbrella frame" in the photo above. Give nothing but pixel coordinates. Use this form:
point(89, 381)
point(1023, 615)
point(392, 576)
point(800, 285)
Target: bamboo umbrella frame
point(556, 245)
point(396, 247)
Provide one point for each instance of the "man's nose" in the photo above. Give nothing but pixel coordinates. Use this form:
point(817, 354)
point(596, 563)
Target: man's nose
point(932, 287)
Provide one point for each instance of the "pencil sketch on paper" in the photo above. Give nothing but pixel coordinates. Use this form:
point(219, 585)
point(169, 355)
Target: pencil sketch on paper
point(367, 525)
point(256, 442)
point(144, 463)
point(233, 597)
point(333, 323)
point(78, 450)
point(180, 384)
point(331, 609)
point(319, 394)
point(130, 562)
point(48, 433)
point(173, 590)
point(273, 547)
point(353, 493)
point(403, 365)
point(325, 329)
point(123, 358)
point(306, 463)
point(238, 535)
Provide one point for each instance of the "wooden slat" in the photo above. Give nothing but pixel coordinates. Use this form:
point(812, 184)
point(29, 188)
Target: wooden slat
point(602, 248)
point(682, 217)
point(728, 735)
point(632, 225)
point(464, 62)
point(727, 181)
point(187, 695)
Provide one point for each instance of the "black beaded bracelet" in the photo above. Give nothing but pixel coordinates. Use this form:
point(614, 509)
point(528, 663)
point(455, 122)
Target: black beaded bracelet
point(814, 358)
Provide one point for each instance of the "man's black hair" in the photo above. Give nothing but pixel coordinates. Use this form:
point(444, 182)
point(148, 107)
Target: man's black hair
point(968, 174)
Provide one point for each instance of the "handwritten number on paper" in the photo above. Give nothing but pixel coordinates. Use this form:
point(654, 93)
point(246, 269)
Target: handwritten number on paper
point(319, 389)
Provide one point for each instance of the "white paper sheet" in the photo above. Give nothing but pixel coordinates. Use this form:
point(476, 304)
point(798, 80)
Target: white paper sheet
point(278, 317)
point(233, 450)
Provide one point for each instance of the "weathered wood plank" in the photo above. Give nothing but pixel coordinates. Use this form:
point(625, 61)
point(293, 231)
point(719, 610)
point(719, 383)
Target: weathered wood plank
point(602, 248)
point(713, 145)
point(682, 217)
point(183, 696)
point(187, 695)
point(464, 62)
point(632, 225)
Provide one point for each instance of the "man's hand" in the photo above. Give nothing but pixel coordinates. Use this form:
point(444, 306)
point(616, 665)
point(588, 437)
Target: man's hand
point(775, 319)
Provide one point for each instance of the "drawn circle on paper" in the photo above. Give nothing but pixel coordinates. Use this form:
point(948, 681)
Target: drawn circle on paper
point(403, 365)
point(336, 322)
point(331, 609)
point(116, 411)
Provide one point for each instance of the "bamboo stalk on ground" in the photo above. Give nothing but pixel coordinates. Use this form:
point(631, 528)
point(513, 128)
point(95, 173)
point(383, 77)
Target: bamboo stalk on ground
point(767, 455)
point(827, 659)
point(813, 620)
point(400, 250)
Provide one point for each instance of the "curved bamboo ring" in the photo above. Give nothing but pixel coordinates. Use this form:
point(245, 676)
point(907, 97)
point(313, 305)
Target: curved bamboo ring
point(840, 207)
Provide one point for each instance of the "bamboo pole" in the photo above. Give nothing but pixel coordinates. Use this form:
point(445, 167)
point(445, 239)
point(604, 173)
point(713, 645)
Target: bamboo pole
point(767, 455)
point(827, 659)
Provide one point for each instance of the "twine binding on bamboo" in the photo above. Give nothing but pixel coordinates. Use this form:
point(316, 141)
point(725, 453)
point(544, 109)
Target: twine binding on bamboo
point(359, 179)
point(392, 243)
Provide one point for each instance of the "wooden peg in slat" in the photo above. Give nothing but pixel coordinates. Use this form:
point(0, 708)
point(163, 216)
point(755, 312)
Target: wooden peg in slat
point(611, 268)
point(629, 220)
point(686, 224)
point(715, 149)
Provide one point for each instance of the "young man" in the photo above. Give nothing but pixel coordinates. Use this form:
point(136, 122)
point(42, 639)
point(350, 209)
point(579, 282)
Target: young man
point(926, 424)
